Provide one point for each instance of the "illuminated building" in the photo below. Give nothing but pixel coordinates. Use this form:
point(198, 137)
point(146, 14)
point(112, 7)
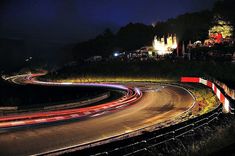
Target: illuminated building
point(170, 40)
point(162, 48)
point(174, 45)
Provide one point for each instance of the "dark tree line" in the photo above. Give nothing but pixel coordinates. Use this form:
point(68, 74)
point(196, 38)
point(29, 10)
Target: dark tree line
point(225, 8)
point(132, 36)
point(189, 26)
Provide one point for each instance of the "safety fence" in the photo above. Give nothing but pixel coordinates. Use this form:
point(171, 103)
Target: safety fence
point(230, 92)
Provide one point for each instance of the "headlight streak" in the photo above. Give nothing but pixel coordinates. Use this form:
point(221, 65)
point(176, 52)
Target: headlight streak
point(132, 95)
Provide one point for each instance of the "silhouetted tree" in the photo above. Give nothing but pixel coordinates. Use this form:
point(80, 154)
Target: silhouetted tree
point(134, 36)
point(190, 26)
point(225, 9)
point(101, 45)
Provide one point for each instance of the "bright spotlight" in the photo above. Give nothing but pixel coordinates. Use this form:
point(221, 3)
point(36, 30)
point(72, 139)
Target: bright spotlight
point(116, 54)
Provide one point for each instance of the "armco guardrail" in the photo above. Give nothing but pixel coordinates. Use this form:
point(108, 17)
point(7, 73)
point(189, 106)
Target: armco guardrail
point(223, 99)
point(8, 108)
point(230, 92)
point(78, 104)
point(55, 106)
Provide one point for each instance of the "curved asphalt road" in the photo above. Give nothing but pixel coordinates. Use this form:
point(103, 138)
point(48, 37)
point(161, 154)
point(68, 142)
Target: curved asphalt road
point(154, 107)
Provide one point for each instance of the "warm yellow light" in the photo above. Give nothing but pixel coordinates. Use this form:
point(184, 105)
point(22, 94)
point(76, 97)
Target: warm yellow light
point(222, 27)
point(163, 48)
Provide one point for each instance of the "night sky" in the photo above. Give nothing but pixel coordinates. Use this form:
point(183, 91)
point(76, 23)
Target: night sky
point(76, 20)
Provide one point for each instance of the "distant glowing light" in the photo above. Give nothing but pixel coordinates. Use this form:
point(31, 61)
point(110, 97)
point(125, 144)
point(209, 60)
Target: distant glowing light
point(161, 48)
point(222, 28)
point(116, 54)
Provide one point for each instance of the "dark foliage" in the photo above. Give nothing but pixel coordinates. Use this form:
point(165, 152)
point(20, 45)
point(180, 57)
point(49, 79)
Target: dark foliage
point(225, 8)
point(190, 26)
